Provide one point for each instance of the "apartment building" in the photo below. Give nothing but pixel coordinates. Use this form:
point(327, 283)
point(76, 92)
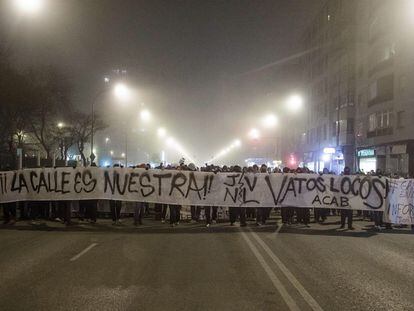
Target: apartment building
point(385, 100)
point(328, 139)
point(358, 75)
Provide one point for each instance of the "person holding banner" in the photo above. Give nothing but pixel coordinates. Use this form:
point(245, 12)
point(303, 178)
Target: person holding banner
point(262, 213)
point(139, 210)
point(174, 214)
point(195, 213)
point(211, 215)
point(164, 208)
point(115, 207)
point(347, 213)
point(239, 211)
point(9, 213)
point(91, 210)
point(9, 210)
point(65, 211)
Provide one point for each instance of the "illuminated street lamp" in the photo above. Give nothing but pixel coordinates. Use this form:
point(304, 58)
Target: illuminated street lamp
point(60, 125)
point(270, 121)
point(29, 6)
point(107, 140)
point(145, 115)
point(295, 102)
point(171, 141)
point(237, 143)
point(254, 133)
point(161, 132)
point(122, 92)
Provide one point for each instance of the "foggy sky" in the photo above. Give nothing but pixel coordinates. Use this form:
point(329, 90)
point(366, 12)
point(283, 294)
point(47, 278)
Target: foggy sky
point(184, 57)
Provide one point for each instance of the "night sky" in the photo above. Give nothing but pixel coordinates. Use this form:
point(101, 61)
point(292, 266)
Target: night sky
point(185, 57)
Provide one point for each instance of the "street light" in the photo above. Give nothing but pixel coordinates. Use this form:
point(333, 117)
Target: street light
point(295, 102)
point(60, 125)
point(122, 92)
point(236, 143)
point(145, 115)
point(254, 133)
point(270, 121)
point(29, 6)
point(171, 142)
point(161, 132)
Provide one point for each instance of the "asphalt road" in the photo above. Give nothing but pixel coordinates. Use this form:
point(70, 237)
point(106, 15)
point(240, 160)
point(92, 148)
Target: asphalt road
point(190, 267)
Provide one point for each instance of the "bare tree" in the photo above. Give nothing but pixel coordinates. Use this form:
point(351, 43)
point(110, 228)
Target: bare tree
point(14, 108)
point(65, 139)
point(82, 129)
point(50, 94)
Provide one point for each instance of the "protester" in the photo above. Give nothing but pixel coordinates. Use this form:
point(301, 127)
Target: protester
point(347, 213)
point(61, 210)
point(262, 212)
point(139, 210)
point(240, 211)
point(9, 213)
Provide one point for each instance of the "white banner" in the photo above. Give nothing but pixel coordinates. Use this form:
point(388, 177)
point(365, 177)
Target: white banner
point(400, 203)
point(195, 188)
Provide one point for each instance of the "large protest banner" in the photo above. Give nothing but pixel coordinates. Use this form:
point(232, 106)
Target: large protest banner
point(195, 188)
point(400, 203)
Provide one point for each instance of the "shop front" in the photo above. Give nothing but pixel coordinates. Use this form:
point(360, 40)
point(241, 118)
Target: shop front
point(367, 160)
point(392, 159)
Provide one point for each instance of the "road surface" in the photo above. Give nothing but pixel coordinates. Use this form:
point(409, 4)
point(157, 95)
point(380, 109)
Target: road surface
point(190, 267)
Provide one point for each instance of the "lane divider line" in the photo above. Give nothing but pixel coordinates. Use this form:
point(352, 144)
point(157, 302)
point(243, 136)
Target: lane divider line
point(303, 292)
point(83, 252)
point(290, 302)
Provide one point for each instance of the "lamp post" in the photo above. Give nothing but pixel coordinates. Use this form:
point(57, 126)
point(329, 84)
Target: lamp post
point(121, 91)
point(145, 116)
point(294, 103)
point(92, 156)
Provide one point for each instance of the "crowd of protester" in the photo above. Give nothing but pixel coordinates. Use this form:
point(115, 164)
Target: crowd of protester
point(61, 211)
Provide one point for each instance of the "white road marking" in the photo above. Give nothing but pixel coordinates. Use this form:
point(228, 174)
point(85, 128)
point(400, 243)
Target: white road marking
point(303, 292)
point(83, 252)
point(275, 280)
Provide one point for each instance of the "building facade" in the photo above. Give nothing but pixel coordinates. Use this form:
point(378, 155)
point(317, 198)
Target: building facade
point(385, 100)
point(358, 77)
